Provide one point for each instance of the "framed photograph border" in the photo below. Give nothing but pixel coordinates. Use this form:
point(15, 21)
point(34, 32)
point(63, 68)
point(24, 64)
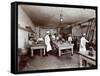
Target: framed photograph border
point(14, 36)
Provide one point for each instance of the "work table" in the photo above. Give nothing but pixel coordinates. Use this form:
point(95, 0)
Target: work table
point(89, 59)
point(62, 46)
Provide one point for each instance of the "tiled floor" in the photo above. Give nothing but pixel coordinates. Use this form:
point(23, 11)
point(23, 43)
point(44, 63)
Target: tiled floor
point(52, 62)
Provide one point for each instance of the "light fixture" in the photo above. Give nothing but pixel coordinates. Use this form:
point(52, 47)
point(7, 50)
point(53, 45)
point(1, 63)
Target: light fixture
point(61, 16)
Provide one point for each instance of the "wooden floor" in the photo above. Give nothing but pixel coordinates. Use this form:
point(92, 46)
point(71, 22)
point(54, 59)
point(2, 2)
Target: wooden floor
point(52, 62)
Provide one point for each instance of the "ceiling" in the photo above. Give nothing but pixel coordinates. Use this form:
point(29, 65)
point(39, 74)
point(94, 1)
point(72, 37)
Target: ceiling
point(44, 15)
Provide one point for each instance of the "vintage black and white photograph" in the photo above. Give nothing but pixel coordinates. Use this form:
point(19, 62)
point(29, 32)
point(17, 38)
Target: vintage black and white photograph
point(51, 37)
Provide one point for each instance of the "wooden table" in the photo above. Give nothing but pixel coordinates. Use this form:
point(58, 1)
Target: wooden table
point(63, 46)
point(40, 47)
point(89, 59)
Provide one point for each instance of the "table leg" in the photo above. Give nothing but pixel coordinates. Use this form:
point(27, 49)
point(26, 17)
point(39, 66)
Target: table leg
point(44, 52)
point(72, 51)
point(59, 52)
point(81, 61)
point(32, 52)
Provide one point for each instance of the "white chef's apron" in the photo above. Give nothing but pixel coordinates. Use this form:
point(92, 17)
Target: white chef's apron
point(47, 43)
point(83, 44)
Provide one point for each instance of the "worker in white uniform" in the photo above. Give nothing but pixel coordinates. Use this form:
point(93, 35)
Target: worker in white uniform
point(83, 42)
point(82, 49)
point(47, 42)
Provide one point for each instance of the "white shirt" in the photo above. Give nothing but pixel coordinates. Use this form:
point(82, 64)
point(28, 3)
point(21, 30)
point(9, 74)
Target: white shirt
point(83, 41)
point(83, 44)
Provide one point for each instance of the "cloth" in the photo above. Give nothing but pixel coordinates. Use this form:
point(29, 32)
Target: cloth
point(83, 44)
point(47, 43)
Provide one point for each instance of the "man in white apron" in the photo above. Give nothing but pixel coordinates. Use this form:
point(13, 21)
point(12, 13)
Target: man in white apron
point(47, 42)
point(83, 42)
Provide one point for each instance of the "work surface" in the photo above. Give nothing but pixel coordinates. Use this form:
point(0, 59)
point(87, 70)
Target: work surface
point(38, 46)
point(89, 59)
point(62, 46)
point(59, 45)
point(85, 54)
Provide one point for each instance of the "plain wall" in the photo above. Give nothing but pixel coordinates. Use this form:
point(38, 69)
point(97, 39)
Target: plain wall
point(23, 21)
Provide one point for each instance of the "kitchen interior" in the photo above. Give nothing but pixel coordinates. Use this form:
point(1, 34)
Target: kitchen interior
point(34, 22)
